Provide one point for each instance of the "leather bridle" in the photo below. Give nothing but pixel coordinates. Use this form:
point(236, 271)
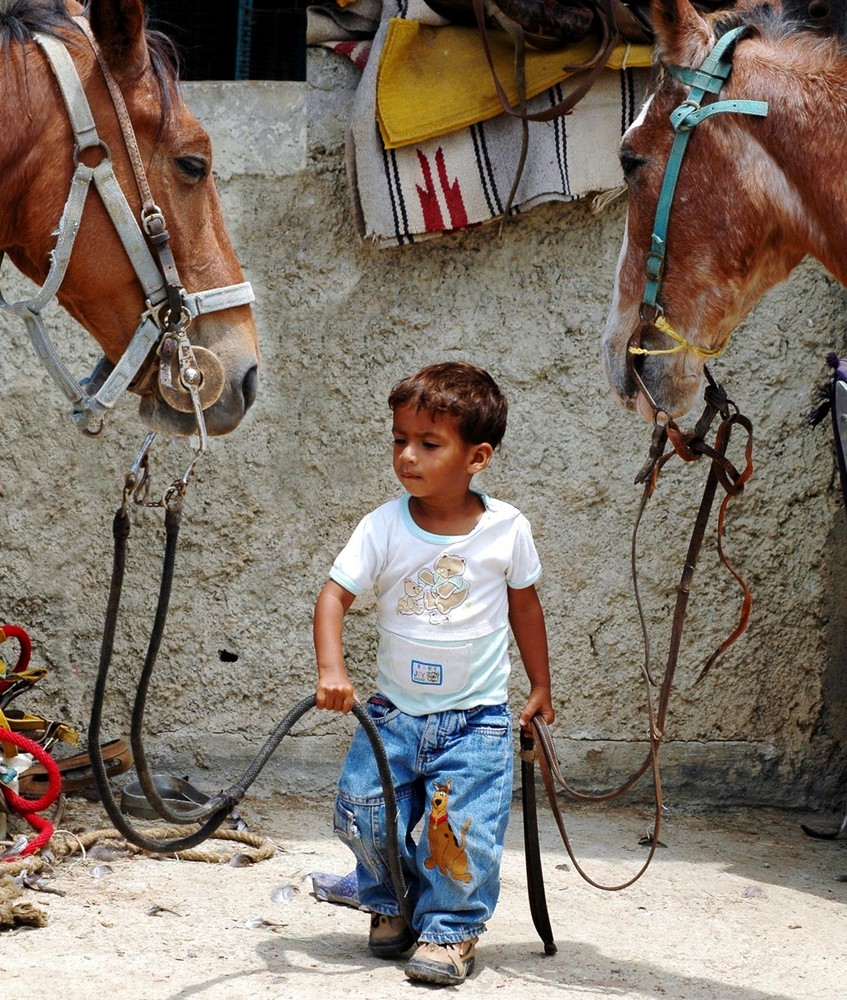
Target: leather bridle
point(190, 378)
point(708, 79)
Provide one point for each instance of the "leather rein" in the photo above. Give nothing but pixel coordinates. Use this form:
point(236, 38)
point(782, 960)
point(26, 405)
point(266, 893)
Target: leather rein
point(190, 378)
point(538, 745)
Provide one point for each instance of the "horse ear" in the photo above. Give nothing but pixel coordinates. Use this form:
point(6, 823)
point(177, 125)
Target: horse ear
point(118, 26)
point(683, 36)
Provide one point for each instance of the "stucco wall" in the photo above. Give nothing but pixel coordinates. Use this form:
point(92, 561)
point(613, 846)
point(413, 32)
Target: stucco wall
point(272, 504)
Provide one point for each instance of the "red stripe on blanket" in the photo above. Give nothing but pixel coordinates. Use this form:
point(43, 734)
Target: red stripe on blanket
point(357, 52)
point(452, 194)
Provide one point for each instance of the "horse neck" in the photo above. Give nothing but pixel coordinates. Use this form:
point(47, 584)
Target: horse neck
point(803, 138)
point(35, 158)
point(14, 143)
point(822, 225)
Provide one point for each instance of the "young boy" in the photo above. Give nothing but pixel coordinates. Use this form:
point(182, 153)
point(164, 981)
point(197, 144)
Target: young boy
point(453, 569)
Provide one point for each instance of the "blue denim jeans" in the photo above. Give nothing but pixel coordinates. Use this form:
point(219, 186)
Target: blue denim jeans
point(457, 767)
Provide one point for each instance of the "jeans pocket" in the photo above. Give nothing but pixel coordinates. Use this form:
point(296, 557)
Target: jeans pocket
point(344, 823)
point(381, 710)
point(357, 827)
point(489, 720)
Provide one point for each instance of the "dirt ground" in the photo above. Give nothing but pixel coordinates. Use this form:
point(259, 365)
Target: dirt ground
point(735, 906)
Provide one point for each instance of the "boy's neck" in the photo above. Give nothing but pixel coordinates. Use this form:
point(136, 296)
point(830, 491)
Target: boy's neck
point(448, 516)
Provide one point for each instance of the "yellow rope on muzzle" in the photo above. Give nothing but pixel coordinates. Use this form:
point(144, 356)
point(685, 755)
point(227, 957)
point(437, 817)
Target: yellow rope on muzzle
point(663, 326)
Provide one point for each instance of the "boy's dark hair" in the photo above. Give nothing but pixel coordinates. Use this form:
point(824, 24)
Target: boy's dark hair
point(461, 390)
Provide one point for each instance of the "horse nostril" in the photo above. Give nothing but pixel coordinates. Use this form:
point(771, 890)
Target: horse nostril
point(249, 387)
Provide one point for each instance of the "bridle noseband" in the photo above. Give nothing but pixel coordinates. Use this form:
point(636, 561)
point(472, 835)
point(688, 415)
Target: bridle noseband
point(190, 378)
point(709, 79)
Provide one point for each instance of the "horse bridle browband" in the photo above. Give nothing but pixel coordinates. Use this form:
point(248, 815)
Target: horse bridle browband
point(709, 79)
point(169, 307)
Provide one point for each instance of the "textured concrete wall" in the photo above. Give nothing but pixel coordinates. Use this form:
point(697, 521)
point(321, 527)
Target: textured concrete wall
point(272, 504)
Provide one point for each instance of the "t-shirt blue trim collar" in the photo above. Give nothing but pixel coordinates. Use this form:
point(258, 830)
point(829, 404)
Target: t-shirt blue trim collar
point(428, 536)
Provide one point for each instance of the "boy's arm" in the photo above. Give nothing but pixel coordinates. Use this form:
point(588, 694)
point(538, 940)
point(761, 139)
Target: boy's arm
point(335, 689)
point(526, 618)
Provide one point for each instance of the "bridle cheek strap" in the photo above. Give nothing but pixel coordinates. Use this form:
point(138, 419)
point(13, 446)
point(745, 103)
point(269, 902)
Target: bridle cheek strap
point(709, 79)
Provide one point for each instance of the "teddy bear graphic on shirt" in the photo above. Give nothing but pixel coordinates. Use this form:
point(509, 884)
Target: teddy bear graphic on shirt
point(437, 591)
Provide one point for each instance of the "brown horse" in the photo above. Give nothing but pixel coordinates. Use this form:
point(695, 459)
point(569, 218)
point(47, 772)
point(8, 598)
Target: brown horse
point(758, 189)
point(167, 264)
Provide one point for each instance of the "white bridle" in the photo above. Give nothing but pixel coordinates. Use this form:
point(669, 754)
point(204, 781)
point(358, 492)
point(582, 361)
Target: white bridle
point(158, 320)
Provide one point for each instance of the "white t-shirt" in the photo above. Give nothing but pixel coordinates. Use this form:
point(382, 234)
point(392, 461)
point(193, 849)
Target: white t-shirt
point(442, 602)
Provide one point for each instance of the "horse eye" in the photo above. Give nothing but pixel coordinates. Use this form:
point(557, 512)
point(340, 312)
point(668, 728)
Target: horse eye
point(630, 162)
point(195, 168)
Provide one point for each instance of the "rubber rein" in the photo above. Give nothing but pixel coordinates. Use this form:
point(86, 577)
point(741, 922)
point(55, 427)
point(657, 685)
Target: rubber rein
point(190, 378)
point(538, 746)
point(210, 815)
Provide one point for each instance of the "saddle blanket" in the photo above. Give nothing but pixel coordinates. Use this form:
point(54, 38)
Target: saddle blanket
point(428, 149)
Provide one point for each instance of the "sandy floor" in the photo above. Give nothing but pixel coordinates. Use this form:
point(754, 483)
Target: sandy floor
point(739, 906)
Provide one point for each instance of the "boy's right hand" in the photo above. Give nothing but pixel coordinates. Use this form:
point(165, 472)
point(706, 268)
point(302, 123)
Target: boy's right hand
point(335, 691)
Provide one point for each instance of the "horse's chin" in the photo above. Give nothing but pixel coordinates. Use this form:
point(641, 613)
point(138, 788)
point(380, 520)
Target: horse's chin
point(672, 381)
point(676, 403)
point(637, 403)
point(161, 418)
point(164, 420)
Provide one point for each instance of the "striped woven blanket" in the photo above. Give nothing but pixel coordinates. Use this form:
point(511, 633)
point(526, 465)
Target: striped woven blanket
point(414, 175)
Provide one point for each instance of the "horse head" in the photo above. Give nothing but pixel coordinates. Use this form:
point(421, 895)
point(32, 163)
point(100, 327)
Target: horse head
point(171, 170)
point(748, 202)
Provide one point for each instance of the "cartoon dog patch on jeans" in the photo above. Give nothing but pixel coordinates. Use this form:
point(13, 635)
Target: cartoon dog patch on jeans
point(447, 852)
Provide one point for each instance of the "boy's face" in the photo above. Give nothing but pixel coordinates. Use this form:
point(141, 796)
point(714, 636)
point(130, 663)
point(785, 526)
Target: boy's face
point(431, 458)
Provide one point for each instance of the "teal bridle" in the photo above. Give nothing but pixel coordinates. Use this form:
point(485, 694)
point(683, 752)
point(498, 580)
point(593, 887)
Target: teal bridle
point(709, 79)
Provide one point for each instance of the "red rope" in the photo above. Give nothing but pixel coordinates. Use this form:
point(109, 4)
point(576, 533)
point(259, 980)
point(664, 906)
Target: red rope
point(29, 808)
point(16, 632)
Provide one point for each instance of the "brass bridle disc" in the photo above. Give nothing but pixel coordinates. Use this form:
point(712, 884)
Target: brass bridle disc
point(211, 382)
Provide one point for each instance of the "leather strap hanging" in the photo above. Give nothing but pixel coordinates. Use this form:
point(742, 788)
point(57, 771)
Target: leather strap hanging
point(588, 73)
point(539, 745)
point(608, 40)
point(534, 871)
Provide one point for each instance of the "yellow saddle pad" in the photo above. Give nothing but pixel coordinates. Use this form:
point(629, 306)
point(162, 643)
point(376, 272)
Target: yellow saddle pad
point(435, 80)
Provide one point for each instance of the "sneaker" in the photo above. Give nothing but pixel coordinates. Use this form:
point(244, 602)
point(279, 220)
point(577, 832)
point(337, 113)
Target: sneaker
point(389, 937)
point(444, 964)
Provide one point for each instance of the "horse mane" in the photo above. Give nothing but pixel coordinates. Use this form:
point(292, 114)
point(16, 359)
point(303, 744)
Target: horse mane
point(20, 19)
point(164, 60)
point(778, 20)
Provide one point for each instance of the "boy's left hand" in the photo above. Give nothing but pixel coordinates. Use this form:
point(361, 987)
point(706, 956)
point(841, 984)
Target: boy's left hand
point(538, 703)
